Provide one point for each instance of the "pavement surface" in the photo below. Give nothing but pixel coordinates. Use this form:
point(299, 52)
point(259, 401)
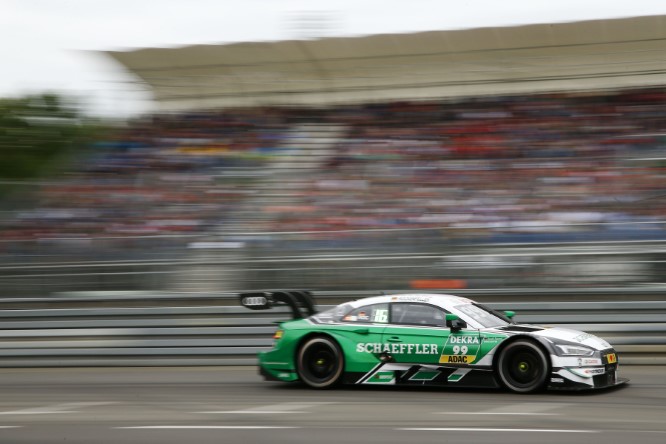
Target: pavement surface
point(234, 405)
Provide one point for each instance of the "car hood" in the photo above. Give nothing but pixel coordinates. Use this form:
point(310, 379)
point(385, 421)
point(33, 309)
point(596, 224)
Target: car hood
point(558, 334)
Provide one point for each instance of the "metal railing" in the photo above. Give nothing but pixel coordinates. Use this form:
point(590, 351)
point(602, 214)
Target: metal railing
point(199, 329)
point(154, 264)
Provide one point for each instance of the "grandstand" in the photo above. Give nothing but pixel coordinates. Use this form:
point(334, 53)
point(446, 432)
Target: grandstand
point(476, 112)
point(381, 147)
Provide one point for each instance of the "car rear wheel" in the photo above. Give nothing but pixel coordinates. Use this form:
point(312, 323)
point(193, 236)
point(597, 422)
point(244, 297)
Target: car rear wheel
point(523, 367)
point(320, 362)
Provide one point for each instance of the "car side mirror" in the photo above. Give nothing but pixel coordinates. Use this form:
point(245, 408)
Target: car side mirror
point(454, 322)
point(509, 314)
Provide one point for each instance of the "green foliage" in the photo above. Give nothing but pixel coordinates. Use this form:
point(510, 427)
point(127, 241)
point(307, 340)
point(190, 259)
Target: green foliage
point(37, 134)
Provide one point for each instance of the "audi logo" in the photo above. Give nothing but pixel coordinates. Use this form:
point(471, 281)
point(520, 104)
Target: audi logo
point(255, 301)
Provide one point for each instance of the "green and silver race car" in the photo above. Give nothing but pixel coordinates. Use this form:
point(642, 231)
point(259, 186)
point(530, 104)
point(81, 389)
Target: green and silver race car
point(427, 339)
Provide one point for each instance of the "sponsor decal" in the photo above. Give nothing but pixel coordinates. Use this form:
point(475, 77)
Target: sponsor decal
point(456, 359)
point(587, 372)
point(397, 349)
point(458, 375)
point(612, 358)
point(557, 380)
point(411, 298)
point(464, 339)
point(383, 377)
point(425, 375)
point(460, 348)
point(582, 337)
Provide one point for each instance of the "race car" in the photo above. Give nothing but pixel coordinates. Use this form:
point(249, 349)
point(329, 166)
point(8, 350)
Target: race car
point(427, 339)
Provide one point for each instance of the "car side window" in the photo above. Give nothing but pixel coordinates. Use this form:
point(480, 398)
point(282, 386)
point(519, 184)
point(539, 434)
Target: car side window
point(417, 314)
point(369, 314)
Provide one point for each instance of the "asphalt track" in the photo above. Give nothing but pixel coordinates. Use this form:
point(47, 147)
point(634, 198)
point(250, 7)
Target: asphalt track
point(233, 405)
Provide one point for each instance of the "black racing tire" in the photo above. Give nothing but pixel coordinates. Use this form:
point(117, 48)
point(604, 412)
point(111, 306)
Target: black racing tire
point(320, 362)
point(523, 367)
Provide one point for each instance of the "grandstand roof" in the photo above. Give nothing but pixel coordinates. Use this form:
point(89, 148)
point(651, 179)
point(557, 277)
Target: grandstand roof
point(597, 54)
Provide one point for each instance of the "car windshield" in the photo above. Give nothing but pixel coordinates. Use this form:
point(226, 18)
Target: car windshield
point(483, 316)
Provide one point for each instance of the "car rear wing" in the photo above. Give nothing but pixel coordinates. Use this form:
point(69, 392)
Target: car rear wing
point(300, 301)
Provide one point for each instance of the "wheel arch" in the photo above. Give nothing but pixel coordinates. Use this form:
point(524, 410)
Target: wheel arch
point(325, 382)
point(314, 334)
point(542, 343)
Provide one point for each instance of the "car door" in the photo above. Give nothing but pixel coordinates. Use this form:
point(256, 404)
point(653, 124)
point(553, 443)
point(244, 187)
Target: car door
point(416, 333)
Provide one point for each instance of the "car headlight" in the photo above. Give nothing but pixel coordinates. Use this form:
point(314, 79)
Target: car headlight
point(574, 350)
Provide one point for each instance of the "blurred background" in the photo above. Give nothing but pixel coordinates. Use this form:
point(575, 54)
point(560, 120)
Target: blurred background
point(440, 151)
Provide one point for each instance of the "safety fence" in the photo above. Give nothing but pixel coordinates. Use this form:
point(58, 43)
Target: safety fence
point(334, 261)
point(197, 330)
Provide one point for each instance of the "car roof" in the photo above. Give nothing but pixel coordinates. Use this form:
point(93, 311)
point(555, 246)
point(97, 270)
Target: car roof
point(445, 301)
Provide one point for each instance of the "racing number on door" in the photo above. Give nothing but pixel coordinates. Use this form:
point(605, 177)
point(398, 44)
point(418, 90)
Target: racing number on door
point(460, 348)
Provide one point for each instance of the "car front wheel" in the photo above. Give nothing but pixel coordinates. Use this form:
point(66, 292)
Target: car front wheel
point(320, 362)
point(523, 367)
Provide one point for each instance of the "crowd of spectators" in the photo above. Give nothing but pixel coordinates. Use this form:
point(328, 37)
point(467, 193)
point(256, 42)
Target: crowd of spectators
point(544, 163)
point(161, 175)
point(472, 167)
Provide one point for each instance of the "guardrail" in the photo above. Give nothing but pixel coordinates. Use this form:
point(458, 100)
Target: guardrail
point(212, 334)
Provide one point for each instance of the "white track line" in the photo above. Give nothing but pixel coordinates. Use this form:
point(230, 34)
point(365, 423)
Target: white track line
point(518, 409)
point(37, 412)
point(10, 427)
point(256, 412)
point(498, 413)
point(275, 409)
point(55, 409)
point(186, 427)
point(476, 429)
